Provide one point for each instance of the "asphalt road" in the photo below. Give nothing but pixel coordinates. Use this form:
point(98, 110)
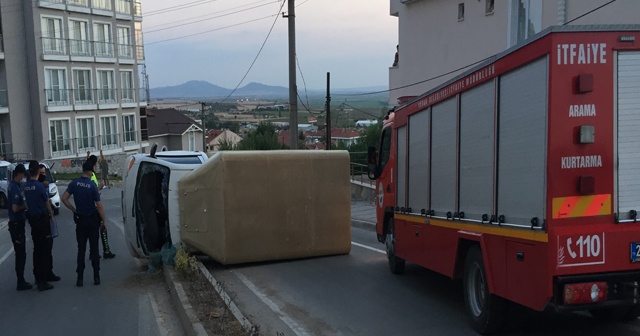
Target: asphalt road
point(356, 294)
point(130, 301)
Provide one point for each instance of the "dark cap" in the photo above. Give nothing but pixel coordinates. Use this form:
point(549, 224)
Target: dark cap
point(87, 166)
point(93, 159)
point(20, 169)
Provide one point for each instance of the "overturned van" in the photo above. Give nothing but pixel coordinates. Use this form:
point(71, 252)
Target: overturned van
point(149, 207)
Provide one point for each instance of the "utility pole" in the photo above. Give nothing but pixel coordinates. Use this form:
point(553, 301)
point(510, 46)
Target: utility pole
point(328, 123)
point(293, 88)
point(204, 129)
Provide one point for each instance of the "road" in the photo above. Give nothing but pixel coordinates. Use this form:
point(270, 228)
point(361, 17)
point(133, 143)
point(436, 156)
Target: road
point(130, 301)
point(356, 294)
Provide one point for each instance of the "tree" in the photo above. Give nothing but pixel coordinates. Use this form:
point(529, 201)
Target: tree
point(370, 138)
point(226, 145)
point(263, 138)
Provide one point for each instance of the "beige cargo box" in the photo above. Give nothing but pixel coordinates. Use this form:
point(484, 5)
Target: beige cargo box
point(248, 206)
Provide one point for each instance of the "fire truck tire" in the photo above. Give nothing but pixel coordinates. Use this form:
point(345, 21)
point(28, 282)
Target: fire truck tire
point(395, 264)
point(487, 311)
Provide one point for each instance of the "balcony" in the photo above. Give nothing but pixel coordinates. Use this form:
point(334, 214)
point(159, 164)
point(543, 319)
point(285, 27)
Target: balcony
point(107, 98)
point(125, 54)
point(88, 143)
point(80, 50)
point(52, 4)
point(104, 51)
point(137, 11)
point(58, 100)
point(123, 10)
point(129, 138)
point(80, 6)
point(54, 49)
point(102, 7)
point(109, 141)
point(128, 98)
point(140, 54)
point(84, 100)
point(4, 102)
point(61, 147)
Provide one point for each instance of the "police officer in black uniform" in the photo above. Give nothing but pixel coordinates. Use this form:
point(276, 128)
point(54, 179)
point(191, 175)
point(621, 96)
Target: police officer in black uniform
point(17, 220)
point(88, 215)
point(39, 214)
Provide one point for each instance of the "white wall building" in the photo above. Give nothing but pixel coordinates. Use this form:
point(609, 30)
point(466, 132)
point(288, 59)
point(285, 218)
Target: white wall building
point(439, 39)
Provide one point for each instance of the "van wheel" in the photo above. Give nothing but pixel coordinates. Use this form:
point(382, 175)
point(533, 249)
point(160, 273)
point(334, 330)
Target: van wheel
point(3, 201)
point(395, 264)
point(487, 311)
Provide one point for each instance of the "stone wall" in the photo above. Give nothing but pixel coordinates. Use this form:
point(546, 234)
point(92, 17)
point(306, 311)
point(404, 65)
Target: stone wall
point(74, 166)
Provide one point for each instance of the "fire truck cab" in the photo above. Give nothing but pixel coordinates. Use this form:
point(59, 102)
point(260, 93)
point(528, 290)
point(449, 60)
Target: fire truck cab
point(522, 177)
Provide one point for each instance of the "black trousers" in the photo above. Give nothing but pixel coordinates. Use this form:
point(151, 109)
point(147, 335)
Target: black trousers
point(19, 239)
point(88, 228)
point(42, 244)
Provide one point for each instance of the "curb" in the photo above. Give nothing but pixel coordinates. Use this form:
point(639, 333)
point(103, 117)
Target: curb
point(190, 322)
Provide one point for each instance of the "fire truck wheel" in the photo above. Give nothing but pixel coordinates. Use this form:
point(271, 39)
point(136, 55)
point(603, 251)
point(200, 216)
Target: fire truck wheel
point(395, 264)
point(486, 310)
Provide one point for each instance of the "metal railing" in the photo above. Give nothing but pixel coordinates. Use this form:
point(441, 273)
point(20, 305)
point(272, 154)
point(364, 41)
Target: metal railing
point(80, 47)
point(101, 4)
point(53, 1)
point(83, 97)
point(109, 141)
point(57, 97)
point(358, 168)
point(125, 51)
point(103, 48)
point(80, 3)
point(61, 147)
point(129, 137)
point(123, 7)
point(140, 53)
point(128, 95)
point(84, 144)
point(107, 96)
point(53, 46)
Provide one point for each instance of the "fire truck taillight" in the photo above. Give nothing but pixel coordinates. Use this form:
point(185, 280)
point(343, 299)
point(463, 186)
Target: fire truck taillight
point(583, 293)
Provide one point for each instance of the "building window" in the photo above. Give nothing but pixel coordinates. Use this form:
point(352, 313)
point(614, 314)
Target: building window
point(126, 84)
point(86, 135)
point(109, 132)
point(490, 4)
point(460, 11)
point(526, 19)
point(139, 41)
point(192, 140)
point(102, 4)
point(123, 7)
point(129, 124)
point(56, 87)
point(52, 39)
point(125, 49)
point(106, 89)
point(79, 38)
point(82, 92)
point(102, 39)
point(60, 137)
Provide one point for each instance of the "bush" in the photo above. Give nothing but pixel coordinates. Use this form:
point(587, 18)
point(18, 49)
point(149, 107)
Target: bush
point(186, 265)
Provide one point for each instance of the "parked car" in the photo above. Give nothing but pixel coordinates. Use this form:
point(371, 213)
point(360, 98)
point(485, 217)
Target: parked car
point(54, 195)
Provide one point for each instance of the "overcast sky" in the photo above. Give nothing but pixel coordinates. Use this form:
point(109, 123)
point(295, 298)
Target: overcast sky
point(353, 39)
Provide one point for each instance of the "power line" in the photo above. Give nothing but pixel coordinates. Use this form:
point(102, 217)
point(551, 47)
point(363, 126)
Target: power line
point(589, 12)
point(178, 7)
point(303, 81)
point(207, 15)
point(207, 19)
point(258, 55)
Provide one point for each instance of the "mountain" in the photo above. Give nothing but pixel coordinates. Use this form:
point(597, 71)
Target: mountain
point(203, 89)
point(190, 89)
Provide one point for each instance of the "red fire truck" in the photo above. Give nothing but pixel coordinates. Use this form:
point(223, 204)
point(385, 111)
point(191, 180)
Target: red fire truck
point(522, 177)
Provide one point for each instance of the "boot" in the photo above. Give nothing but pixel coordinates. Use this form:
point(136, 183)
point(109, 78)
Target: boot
point(108, 255)
point(79, 281)
point(44, 286)
point(23, 285)
point(53, 277)
point(96, 278)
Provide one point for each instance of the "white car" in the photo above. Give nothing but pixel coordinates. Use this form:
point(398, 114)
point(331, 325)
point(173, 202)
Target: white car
point(54, 194)
point(150, 208)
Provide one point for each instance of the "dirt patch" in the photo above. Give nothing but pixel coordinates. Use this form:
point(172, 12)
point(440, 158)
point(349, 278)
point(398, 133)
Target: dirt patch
point(210, 308)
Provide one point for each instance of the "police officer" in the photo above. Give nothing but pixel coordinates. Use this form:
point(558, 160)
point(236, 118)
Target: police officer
point(42, 178)
point(17, 220)
point(39, 215)
point(106, 250)
point(88, 215)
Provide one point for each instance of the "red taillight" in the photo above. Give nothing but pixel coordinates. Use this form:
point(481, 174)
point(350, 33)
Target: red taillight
point(582, 293)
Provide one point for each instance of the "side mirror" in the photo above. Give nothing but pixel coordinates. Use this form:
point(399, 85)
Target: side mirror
point(372, 164)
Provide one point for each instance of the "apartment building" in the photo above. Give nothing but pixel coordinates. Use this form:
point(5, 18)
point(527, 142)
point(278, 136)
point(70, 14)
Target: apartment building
point(72, 78)
point(438, 39)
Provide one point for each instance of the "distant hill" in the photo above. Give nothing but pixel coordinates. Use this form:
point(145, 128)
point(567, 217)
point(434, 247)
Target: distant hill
point(203, 89)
